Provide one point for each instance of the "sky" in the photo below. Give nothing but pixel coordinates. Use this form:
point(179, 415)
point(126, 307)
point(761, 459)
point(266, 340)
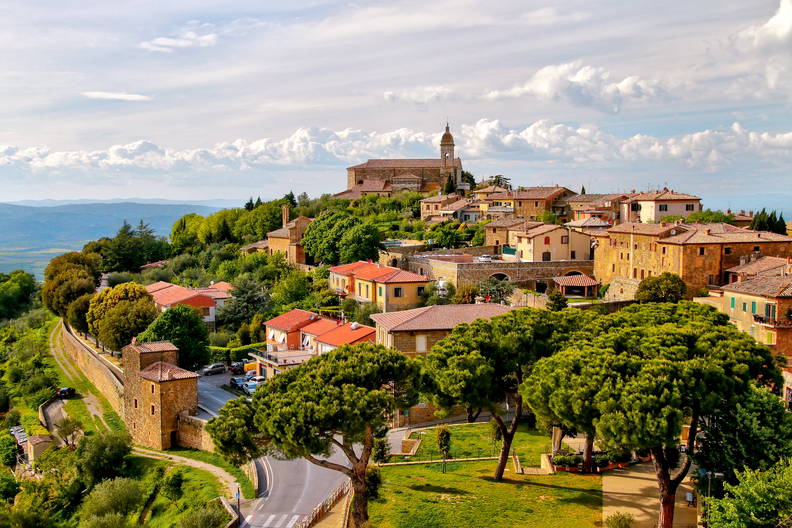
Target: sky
point(193, 100)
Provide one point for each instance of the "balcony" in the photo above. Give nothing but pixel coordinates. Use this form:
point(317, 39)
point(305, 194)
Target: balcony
point(771, 322)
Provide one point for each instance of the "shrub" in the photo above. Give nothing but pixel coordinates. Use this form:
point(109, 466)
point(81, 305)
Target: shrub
point(568, 460)
point(12, 418)
point(8, 486)
point(380, 451)
point(119, 495)
point(601, 461)
point(218, 339)
point(619, 455)
point(373, 482)
point(619, 520)
point(210, 516)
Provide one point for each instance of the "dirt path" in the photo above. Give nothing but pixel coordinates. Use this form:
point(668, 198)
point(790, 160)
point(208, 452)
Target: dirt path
point(225, 478)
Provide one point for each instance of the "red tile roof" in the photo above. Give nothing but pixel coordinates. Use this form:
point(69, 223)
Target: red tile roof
point(151, 288)
point(766, 266)
point(214, 293)
point(292, 320)
point(177, 295)
point(437, 317)
point(539, 230)
point(575, 280)
point(490, 189)
point(378, 273)
point(349, 194)
point(347, 334)
point(440, 198)
point(154, 346)
point(531, 193)
point(161, 371)
point(223, 285)
point(770, 287)
point(404, 163)
point(319, 327)
point(375, 186)
point(663, 195)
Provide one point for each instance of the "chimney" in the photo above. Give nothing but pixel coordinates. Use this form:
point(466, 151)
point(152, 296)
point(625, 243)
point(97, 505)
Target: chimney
point(285, 214)
point(134, 340)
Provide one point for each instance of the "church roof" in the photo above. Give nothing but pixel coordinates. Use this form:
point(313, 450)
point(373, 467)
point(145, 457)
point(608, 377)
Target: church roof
point(447, 138)
point(407, 163)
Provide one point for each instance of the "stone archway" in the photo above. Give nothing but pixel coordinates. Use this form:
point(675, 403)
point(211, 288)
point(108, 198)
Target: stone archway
point(500, 276)
point(394, 263)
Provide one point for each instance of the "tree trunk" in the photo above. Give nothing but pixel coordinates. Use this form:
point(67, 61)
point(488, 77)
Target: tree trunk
point(471, 415)
point(558, 437)
point(507, 434)
point(360, 502)
point(588, 453)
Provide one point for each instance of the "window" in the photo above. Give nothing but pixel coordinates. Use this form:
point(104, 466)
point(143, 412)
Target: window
point(420, 343)
point(732, 303)
point(770, 311)
point(397, 291)
point(635, 273)
point(367, 290)
point(565, 239)
point(663, 207)
point(642, 274)
point(379, 291)
point(536, 204)
point(753, 307)
point(547, 240)
point(135, 403)
point(745, 307)
point(572, 255)
point(421, 290)
point(701, 251)
point(360, 289)
point(690, 207)
point(727, 251)
point(152, 388)
point(756, 249)
point(152, 410)
point(613, 267)
point(664, 250)
point(546, 256)
point(635, 207)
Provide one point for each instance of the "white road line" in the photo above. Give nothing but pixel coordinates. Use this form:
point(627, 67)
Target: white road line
point(293, 520)
point(283, 518)
point(269, 520)
point(247, 519)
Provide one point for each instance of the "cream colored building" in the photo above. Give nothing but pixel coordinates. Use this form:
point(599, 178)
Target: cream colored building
point(552, 242)
point(652, 206)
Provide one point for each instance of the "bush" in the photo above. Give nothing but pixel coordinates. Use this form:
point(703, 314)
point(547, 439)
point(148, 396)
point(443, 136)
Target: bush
point(210, 516)
point(12, 418)
point(120, 495)
point(373, 482)
point(172, 485)
point(619, 455)
point(568, 460)
point(619, 520)
point(601, 461)
point(218, 339)
point(8, 486)
point(380, 452)
point(8, 450)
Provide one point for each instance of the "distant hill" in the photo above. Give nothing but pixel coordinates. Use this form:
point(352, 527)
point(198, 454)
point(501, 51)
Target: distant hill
point(31, 236)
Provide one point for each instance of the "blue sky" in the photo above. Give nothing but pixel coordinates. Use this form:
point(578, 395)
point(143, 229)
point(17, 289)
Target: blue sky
point(195, 100)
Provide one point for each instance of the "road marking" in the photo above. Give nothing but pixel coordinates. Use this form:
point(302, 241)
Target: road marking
point(247, 519)
point(293, 520)
point(269, 520)
point(283, 518)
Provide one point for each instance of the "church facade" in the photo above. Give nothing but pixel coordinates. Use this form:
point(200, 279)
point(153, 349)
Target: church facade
point(385, 177)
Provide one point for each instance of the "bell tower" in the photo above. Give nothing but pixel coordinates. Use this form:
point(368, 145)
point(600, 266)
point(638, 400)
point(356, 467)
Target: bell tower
point(447, 148)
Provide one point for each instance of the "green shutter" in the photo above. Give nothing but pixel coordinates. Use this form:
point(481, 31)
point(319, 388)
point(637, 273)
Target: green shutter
point(753, 307)
point(732, 302)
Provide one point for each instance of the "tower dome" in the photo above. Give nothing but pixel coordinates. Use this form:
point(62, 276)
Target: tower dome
point(447, 138)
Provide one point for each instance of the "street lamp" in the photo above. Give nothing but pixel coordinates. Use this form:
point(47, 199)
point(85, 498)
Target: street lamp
point(711, 474)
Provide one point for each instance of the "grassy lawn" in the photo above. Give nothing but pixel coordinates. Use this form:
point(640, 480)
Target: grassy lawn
point(468, 441)
point(199, 488)
point(421, 496)
point(245, 485)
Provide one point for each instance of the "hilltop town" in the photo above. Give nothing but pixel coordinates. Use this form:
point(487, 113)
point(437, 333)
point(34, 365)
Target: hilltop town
point(423, 329)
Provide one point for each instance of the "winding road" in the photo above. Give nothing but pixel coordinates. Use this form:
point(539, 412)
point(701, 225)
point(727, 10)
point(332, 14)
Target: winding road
point(289, 489)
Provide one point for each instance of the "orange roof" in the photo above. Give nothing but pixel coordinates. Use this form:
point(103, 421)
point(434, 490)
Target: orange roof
point(174, 294)
point(575, 280)
point(347, 334)
point(222, 285)
point(378, 273)
point(292, 320)
point(319, 327)
point(161, 285)
point(161, 371)
point(662, 195)
point(154, 346)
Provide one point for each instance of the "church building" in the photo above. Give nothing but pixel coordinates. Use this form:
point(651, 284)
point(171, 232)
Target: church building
point(385, 177)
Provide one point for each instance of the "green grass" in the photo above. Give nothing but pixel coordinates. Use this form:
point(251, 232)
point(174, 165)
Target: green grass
point(469, 441)
point(466, 495)
point(199, 488)
point(245, 485)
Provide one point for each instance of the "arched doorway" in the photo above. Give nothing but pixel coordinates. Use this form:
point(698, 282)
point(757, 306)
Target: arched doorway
point(500, 277)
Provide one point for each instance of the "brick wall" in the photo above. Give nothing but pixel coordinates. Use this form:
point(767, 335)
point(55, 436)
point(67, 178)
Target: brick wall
point(95, 370)
point(192, 433)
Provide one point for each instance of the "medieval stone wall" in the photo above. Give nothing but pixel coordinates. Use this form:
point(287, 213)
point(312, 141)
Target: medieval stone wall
point(95, 370)
point(192, 433)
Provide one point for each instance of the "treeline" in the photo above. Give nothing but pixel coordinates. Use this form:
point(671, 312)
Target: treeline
point(16, 293)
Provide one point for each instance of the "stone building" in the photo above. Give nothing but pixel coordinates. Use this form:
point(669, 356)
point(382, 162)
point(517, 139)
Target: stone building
point(288, 239)
point(391, 289)
point(652, 206)
point(530, 203)
point(606, 207)
point(156, 392)
point(389, 176)
point(700, 254)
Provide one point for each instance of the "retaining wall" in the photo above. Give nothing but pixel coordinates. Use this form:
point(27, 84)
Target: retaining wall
point(191, 433)
point(95, 370)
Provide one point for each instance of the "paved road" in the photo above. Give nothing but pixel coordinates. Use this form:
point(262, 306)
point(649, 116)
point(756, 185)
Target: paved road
point(290, 489)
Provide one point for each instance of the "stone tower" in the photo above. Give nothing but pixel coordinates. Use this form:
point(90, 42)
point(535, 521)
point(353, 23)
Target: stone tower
point(447, 148)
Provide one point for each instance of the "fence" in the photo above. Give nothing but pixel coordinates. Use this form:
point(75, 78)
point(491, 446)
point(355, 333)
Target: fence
point(321, 510)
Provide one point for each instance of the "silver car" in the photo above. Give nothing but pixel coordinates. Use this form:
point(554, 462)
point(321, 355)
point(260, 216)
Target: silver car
point(214, 368)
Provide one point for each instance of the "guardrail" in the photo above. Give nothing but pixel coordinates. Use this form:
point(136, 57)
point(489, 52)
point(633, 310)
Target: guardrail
point(341, 491)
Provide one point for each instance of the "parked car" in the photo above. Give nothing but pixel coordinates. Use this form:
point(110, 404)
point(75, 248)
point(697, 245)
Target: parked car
point(237, 367)
point(249, 374)
point(258, 379)
point(214, 368)
point(236, 383)
point(65, 393)
point(250, 387)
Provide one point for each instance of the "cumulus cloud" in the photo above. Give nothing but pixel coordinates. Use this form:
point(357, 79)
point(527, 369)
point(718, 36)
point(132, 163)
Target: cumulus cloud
point(544, 140)
point(421, 95)
point(584, 85)
point(769, 46)
point(116, 96)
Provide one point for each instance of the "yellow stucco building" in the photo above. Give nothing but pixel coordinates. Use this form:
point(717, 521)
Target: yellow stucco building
point(391, 289)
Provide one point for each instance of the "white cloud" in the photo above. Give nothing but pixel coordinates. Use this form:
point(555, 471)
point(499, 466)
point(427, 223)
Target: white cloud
point(421, 95)
point(584, 85)
point(192, 35)
point(769, 47)
point(546, 141)
point(116, 96)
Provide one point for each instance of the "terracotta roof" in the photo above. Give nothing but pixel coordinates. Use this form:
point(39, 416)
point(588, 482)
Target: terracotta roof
point(406, 176)
point(586, 198)
point(505, 222)
point(646, 229)
point(540, 230)
point(490, 189)
point(764, 286)
point(375, 186)
point(160, 285)
point(292, 320)
point(447, 138)
point(440, 198)
point(151, 265)
point(222, 285)
point(154, 346)
point(349, 194)
point(591, 221)
point(283, 232)
point(766, 266)
point(178, 294)
point(456, 206)
point(661, 195)
point(404, 163)
point(214, 293)
point(378, 273)
point(347, 335)
point(261, 244)
point(161, 371)
point(575, 280)
point(437, 317)
point(720, 233)
point(319, 327)
point(531, 193)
